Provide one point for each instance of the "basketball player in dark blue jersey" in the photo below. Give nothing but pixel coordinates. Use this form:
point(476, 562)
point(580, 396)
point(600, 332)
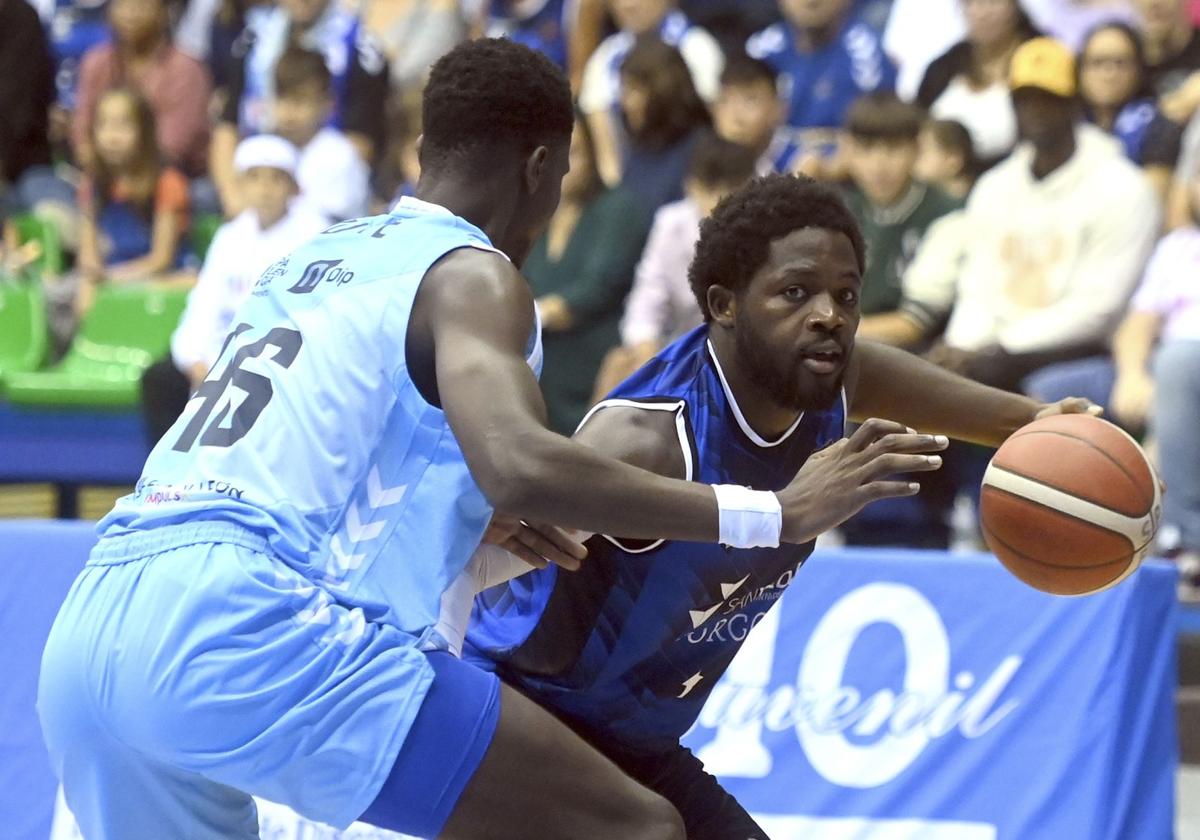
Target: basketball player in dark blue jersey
point(626, 649)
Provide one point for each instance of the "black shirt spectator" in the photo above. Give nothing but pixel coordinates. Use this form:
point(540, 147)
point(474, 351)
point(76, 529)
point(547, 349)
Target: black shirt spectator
point(1172, 44)
point(26, 90)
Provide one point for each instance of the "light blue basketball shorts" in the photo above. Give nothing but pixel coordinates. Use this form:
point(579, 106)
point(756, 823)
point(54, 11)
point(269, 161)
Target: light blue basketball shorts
point(189, 669)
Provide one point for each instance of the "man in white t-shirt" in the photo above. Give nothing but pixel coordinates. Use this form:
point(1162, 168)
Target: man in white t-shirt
point(273, 224)
point(601, 87)
point(332, 175)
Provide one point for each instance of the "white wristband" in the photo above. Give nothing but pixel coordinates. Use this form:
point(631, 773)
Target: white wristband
point(748, 518)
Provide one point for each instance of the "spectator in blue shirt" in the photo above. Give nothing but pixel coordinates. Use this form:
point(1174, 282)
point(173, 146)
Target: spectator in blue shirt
point(600, 89)
point(749, 112)
point(826, 58)
point(543, 25)
point(74, 28)
point(663, 116)
point(1117, 97)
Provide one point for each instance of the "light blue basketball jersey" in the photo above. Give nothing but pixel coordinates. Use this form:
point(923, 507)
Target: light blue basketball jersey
point(310, 431)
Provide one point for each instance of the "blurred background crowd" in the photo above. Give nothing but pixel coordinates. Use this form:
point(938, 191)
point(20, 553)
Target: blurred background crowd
point(1027, 174)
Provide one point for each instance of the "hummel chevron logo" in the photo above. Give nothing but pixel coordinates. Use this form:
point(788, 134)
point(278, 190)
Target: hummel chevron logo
point(347, 635)
point(345, 561)
point(357, 531)
point(378, 495)
point(318, 614)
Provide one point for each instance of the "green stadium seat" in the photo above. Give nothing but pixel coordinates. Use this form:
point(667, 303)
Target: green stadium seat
point(128, 329)
point(23, 336)
point(30, 228)
point(204, 228)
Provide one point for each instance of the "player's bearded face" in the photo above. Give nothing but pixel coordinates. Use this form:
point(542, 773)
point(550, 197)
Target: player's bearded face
point(783, 375)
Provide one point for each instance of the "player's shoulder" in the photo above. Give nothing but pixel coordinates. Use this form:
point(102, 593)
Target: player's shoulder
point(476, 273)
point(643, 433)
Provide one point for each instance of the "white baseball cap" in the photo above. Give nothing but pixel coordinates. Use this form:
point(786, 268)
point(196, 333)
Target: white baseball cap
point(266, 150)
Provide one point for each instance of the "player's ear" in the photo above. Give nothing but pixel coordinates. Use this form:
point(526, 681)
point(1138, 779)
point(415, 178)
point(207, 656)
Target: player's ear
point(722, 305)
point(535, 168)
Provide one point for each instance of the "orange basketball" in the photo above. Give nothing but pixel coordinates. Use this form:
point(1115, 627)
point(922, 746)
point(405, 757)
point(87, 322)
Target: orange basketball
point(1070, 504)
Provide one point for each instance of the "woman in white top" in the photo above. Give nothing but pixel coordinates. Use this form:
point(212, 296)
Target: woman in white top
point(969, 82)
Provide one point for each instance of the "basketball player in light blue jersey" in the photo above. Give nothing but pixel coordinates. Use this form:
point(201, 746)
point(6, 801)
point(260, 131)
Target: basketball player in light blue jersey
point(264, 615)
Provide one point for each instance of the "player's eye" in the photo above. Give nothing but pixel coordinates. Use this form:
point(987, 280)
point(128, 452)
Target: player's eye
point(849, 297)
point(795, 293)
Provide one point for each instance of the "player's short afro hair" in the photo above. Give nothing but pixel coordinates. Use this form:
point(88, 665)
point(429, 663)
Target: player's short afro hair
point(736, 239)
point(491, 92)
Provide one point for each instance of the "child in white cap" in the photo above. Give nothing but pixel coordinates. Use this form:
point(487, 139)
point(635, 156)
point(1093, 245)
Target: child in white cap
point(272, 224)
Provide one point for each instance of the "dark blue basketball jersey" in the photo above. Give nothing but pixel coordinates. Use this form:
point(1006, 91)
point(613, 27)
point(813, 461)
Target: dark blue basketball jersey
point(629, 646)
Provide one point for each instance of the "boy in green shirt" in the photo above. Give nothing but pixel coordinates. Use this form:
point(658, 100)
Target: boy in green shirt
point(894, 209)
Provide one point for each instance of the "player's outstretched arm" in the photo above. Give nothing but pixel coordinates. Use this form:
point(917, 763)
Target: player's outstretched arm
point(480, 317)
point(833, 485)
point(477, 311)
point(887, 382)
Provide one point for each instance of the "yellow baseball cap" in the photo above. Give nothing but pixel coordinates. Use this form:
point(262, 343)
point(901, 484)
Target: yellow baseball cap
point(1045, 64)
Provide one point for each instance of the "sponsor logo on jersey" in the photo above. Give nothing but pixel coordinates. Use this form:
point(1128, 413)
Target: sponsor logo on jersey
point(153, 492)
point(738, 613)
point(276, 269)
point(320, 271)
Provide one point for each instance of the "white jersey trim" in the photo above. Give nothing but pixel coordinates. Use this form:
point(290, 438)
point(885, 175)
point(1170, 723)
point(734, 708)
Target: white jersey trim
point(685, 446)
point(754, 436)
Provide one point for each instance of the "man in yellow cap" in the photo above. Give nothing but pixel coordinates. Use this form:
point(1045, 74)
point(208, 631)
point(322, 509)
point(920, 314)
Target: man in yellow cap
point(1054, 238)
point(1042, 79)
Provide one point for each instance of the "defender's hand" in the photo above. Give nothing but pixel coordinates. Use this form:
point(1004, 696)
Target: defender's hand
point(536, 544)
point(842, 479)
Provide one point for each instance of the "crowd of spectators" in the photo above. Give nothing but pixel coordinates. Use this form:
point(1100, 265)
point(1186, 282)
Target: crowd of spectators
point(1026, 173)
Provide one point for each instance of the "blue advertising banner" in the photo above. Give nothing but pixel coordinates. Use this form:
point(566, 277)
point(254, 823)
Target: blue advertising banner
point(889, 695)
point(895, 695)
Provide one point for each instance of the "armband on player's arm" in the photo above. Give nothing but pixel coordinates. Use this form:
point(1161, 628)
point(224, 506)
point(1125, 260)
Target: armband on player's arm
point(748, 518)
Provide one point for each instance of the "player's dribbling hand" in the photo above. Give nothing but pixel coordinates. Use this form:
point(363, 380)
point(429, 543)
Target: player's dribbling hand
point(538, 545)
point(842, 479)
point(1071, 405)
